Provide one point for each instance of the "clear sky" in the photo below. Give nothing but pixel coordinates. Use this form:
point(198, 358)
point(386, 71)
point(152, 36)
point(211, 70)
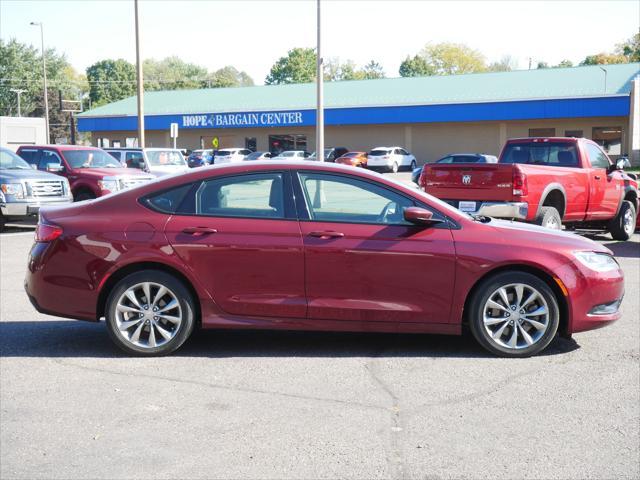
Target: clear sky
point(253, 34)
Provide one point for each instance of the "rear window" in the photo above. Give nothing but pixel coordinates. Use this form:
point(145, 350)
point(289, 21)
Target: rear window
point(548, 153)
point(223, 154)
point(169, 200)
point(378, 153)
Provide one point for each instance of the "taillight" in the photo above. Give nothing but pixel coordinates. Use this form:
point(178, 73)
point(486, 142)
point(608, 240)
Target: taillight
point(47, 233)
point(519, 183)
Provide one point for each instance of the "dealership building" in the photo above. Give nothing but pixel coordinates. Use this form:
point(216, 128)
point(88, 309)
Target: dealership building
point(429, 116)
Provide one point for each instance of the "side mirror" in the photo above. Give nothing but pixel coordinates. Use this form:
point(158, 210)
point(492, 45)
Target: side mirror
point(420, 216)
point(55, 168)
point(622, 163)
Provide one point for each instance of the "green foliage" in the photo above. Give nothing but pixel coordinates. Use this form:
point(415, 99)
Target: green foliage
point(171, 73)
point(604, 59)
point(562, 64)
point(415, 67)
point(298, 66)
point(372, 70)
point(630, 48)
point(111, 80)
point(335, 71)
point(21, 68)
point(452, 59)
point(505, 64)
point(229, 76)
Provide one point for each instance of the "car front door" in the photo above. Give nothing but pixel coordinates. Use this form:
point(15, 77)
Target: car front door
point(604, 186)
point(240, 237)
point(363, 261)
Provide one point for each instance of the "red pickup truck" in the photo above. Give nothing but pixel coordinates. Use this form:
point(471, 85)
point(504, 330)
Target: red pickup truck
point(548, 181)
point(91, 171)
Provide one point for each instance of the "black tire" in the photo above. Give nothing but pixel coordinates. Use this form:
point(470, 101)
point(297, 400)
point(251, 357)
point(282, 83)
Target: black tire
point(2, 222)
point(84, 196)
point(413, 166)
point(176, 287)
point(394, 167)
point(549, 217)
point(622, 226)
point(486, 289)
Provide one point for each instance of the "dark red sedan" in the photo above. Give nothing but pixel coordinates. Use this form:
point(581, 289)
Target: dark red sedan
point(312, 246)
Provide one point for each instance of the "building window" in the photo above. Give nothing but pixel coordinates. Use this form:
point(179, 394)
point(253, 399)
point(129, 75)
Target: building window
point(609, 138)
point(281, 143)
point(131, 142)
point(116, 144)
point(103, 143)
point(542, 132)
point(573, 133)
point(250, 143)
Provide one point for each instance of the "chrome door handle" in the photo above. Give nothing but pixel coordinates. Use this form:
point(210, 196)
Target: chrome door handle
point(326, 234)
point(198, 231)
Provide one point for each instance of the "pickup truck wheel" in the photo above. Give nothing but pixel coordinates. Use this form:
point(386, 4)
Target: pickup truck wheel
point(84, 196)
point(621, 227)
point(514, 314)
point(149, 313)
point(549, 218)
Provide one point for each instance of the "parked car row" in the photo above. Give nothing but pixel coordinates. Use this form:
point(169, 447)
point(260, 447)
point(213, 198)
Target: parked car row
point(390, 159)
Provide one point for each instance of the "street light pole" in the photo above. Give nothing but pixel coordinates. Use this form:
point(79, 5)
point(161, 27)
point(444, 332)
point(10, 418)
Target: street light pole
point(140, 83)
point(319, 91)
point(44, 75)
point(18, 92)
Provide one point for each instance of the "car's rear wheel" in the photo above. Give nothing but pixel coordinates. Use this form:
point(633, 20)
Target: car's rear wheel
point(549, 217)
point(622, 226)
point(514, 314)
point(150, 313)
point(394, 167)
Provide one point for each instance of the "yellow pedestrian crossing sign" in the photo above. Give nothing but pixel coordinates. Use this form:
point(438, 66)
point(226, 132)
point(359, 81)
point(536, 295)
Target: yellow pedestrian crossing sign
point(215, 142)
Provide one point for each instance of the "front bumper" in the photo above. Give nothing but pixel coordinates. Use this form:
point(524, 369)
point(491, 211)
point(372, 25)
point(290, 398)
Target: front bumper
point(30, 207)
point(508, 210)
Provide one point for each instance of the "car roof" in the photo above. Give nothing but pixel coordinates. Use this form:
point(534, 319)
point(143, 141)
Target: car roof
point(62, 147)
point(545, 139)
point(122, 149)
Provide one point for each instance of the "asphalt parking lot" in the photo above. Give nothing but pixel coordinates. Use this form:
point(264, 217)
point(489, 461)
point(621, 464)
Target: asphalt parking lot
point(312, 405)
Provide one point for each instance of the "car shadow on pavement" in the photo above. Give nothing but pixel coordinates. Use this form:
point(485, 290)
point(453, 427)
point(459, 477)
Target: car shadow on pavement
point(628, 249)
point(63, 338)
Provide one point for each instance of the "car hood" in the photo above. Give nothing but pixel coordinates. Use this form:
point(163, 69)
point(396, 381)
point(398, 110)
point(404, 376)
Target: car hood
point(169, 169)
point(27, 173)
point(514, 234)
point(109, 172)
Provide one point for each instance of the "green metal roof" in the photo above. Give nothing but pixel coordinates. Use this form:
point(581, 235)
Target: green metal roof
point(587, 81)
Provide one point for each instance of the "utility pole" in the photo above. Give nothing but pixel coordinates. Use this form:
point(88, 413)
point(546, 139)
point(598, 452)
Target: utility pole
point(44, 75)
point(319, 90)
point(18, 92)
point(140, 84)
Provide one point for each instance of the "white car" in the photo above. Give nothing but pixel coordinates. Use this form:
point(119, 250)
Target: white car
point(292, 155)
point(391, 159)
point(230, 155)
point(164, 161)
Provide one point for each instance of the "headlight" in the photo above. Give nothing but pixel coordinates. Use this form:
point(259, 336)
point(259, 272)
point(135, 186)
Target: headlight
point(66, 188)
point(600, 262)
point(111, 185)
point(14, 189)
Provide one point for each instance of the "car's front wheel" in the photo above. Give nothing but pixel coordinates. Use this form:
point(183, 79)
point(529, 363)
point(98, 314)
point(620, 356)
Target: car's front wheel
point(150, 313)
point(514, 314)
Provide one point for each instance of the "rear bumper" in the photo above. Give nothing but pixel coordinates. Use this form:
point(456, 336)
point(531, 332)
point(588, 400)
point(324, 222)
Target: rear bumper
point(508, 210)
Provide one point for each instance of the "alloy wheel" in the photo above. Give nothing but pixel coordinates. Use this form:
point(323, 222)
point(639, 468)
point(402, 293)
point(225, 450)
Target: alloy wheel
point(628, 221)
point(516, 316)
point(148, 315)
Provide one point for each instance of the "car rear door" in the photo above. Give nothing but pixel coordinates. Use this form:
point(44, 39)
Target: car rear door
point(239, 236)
point(363, 261)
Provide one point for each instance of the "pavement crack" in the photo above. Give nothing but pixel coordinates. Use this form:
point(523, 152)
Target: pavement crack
point(221, 387)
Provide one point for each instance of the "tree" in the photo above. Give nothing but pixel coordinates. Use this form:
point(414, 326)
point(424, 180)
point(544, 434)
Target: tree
point(542, 65)
point(630, 48)
point(111, 80)
point(452, 58)
point(415, 67)
point(21, 68)
point(505, 64)
point(172, 73)
point(564, 64)
point(371, 70)
point(229, 76)
point(604, 58)
point(299, 66)
point(336, 71)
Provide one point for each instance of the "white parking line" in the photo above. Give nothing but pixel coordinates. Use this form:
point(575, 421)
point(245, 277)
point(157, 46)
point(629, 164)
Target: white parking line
point(15, 234)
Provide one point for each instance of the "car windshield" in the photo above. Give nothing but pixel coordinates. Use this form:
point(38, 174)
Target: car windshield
point(11, 161)
point(378, 153)
point(327, 152)
point(559, 154)
point(161, 158)
point(90, 159)
point(254, 156)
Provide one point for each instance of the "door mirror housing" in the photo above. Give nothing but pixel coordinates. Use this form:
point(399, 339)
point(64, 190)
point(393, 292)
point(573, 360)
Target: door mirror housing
point(54, 168)
point(622, 163)
point(420, 216)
